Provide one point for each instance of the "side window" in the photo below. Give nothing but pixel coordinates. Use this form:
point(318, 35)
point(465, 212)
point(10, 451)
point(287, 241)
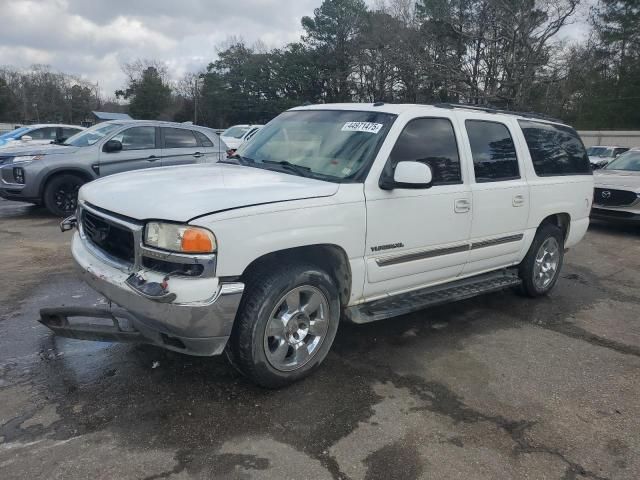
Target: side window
point(179, 138)
point(431, 141)
point(137, 138)
point(68, 132)
point(618, 151)
point(493, 151)
point(250, 134)
point(47, 133)
point(203, 139)
point(555, 149)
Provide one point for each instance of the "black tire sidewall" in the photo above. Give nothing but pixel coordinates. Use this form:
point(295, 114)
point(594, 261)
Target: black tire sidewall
point(528, 264)
point(50, 188)
point(248, 340)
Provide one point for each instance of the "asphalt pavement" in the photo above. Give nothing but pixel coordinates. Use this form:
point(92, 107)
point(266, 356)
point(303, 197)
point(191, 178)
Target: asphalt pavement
point(496, 387)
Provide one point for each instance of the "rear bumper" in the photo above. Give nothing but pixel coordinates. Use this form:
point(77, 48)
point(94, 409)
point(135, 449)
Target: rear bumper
point(203, 325)
point(621, 216)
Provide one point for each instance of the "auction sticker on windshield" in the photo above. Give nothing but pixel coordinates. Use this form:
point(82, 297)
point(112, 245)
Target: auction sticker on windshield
point(368, 127)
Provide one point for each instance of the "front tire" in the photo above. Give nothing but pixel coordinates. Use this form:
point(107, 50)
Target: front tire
point(61, 194)
point(286, 324)
point(540, 268)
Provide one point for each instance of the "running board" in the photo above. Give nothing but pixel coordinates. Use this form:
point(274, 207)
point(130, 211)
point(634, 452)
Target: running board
point(431, 296)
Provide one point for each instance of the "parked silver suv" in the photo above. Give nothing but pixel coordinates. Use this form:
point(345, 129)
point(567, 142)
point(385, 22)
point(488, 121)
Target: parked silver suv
point(52, 174)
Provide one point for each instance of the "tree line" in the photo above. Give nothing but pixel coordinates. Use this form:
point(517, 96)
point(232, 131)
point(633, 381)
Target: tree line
point(501, 53)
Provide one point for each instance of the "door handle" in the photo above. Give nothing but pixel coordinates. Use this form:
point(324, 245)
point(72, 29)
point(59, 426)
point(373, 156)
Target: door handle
point(198, 155)
point(462, 205)
point(152, 158)
point(518, 201)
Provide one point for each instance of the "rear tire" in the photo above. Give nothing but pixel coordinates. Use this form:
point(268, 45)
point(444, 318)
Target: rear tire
point(541, 267)
point(61, 194)
point(286, 323)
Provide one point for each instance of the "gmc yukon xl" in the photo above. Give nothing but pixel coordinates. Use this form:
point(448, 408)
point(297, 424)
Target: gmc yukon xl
point(346, 212)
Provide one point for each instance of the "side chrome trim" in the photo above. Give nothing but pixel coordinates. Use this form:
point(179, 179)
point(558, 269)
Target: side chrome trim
point(384, 262)
point(410, 257)
point(497, 241)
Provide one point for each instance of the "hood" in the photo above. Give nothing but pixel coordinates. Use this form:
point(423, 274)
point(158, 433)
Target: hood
point(182, 193)
point(49, 149)
point(617, 178)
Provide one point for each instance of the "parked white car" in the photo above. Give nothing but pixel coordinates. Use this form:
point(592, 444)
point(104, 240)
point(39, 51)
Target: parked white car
point(357, 212)
point(600, 155)
point(42, 134)
point(617, 190)
point(235, 136)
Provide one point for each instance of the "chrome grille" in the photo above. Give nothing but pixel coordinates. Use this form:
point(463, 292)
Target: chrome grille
point(112, 239)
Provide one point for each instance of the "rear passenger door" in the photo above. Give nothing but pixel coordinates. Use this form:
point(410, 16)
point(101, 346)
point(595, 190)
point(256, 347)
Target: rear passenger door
point(210, 147)
point(500, 193)
point(180, 147)
point(139, 150)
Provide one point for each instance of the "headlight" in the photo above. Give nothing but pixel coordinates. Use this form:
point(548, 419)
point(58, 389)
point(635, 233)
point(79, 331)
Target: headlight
point(179, 238)
point(27, 158)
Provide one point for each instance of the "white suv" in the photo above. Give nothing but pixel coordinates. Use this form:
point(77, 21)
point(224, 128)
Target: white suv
point(357, 212)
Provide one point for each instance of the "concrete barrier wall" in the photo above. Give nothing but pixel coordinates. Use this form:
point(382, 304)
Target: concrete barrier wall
point(621, 138)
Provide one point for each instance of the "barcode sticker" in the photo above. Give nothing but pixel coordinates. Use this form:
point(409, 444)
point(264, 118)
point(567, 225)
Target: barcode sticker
point(367, 127)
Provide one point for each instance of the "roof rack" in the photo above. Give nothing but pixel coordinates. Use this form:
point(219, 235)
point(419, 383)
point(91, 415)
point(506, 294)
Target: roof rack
point(497, 110)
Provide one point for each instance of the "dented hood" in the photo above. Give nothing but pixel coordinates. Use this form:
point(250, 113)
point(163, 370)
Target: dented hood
point(182, 193)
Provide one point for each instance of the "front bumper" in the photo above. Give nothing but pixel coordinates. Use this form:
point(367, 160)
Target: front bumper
point(188, 324)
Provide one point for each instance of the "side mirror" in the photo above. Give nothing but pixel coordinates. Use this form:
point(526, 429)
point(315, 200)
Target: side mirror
point(26, 138)
point(408, 174)
point(112, 146)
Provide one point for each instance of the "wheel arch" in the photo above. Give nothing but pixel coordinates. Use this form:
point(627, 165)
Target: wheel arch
point(561, 220)
point(62, 171)
point(329, 257)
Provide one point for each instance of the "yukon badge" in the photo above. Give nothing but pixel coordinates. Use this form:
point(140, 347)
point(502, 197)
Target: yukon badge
point(388, 246)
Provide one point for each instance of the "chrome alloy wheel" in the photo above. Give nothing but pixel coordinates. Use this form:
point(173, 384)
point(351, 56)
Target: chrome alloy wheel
point(296, 328)
point(546, 264)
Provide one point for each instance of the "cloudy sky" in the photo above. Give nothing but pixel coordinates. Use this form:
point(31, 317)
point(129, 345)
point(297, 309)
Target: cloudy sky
point(92, 38)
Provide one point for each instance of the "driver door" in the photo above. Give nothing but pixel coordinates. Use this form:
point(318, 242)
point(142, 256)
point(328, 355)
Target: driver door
point(417, 237)
point(139, 150)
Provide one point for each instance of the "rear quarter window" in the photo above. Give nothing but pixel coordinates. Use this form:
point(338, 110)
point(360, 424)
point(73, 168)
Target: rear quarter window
point(203, 139)
point(555, 149)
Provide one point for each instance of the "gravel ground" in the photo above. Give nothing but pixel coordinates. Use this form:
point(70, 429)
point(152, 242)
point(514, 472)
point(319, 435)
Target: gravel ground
point(495, 387)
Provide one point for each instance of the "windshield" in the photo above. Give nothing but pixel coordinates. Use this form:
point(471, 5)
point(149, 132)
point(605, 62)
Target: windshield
point(332, 145)
point(235, 132)
point(14, 133)
point(598, 152)
point(627, 161)
point(92, 135)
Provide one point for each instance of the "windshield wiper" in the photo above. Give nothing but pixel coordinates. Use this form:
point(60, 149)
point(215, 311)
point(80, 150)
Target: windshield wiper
point(290, 166)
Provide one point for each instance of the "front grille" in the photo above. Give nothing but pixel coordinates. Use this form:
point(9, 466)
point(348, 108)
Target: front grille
point(113, 239)
point(613, 198)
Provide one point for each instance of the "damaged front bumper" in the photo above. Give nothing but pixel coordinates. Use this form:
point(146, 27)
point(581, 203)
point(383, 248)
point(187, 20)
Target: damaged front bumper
point(195, 319)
